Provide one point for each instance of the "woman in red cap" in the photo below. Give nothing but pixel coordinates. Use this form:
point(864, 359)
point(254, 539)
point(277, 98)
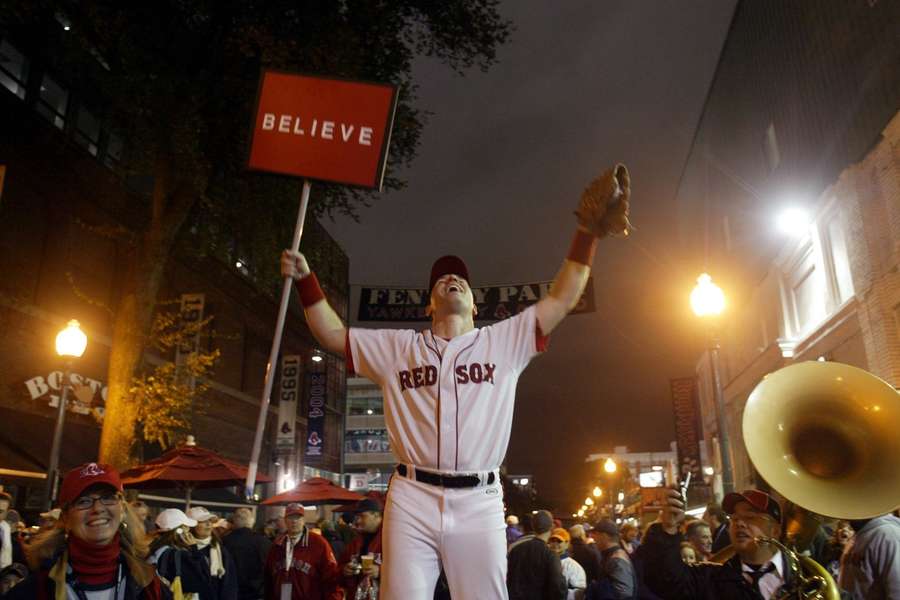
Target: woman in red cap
point(97, 548)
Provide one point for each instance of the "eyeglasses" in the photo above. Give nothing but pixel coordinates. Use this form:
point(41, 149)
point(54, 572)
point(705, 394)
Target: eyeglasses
point(87, 502)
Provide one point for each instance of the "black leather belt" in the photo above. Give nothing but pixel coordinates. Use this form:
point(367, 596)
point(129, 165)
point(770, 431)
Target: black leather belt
point(447, 481)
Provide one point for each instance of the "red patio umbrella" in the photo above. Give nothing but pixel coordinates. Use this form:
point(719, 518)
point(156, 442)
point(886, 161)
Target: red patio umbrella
point(375, 495)
point(317, 490)
point(188, 466)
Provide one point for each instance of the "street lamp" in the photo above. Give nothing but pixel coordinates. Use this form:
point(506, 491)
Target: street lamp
point(70, 344)
point(597, 491)
point(708, 301)
point(609, 466)
point(793, 221)
point(588, 501)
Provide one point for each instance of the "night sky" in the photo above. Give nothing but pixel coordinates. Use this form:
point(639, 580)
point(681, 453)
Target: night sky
point(502, 162)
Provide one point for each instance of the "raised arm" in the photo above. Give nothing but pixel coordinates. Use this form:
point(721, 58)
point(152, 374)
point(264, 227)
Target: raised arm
point(325, 324)
point(602, 211)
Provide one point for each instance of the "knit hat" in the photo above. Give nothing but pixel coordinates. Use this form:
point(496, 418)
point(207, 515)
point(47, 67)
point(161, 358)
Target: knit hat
point(542, 521)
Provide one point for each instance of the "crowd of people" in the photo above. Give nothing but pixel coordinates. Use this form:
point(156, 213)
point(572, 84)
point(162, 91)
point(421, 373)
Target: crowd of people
point(97, 546)
point(722, 555)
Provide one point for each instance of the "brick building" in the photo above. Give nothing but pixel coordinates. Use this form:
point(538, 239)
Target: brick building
point(62, 167)
point(802, 112)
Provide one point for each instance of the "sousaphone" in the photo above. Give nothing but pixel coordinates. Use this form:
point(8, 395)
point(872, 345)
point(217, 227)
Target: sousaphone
point(827, 437)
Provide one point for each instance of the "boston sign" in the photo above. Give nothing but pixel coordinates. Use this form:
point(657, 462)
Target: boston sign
point(86, 396)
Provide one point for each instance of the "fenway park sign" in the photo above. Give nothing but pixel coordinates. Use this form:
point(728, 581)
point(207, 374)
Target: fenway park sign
point(495, 303)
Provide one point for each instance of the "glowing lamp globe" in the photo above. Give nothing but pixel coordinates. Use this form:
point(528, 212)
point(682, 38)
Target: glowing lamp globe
point(609, 466)
point(707, 299)
point(71, 341)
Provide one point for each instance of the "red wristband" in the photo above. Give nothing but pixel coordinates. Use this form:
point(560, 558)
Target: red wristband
point(309, 290)
point(583, 246)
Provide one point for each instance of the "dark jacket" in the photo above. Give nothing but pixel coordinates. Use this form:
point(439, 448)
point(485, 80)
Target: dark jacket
point(671, 579)
point(618, 580)
point(588, 557)
point(248, 550)
point(225, 587)
point(174, 562)
point(638, 559)
point(721, 538)
point(40, 586)
point(534, 571)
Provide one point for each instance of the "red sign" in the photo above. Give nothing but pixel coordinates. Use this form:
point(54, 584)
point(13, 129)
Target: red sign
point(329, 129)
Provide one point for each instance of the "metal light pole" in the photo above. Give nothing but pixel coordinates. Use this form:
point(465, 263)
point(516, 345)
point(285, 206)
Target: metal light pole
point(708, 300)
point(610, 467)
point(70, 344)
point(721, 418)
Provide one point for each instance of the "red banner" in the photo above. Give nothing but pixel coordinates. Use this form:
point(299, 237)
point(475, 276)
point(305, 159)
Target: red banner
point(329, 129)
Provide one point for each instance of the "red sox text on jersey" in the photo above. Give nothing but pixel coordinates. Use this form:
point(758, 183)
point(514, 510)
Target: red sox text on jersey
point(427, 375)
point(448, 405)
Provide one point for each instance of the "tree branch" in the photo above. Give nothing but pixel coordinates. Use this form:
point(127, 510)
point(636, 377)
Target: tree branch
point(85, 298)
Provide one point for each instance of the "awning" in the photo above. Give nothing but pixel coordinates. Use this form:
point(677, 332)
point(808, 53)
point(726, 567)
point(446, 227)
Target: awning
point(26, 438)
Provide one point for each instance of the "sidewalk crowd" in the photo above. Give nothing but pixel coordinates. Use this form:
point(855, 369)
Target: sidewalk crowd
point(97, 546)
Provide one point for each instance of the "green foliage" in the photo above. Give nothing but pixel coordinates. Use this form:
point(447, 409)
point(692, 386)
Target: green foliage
point(177, 79)
point(169, 394)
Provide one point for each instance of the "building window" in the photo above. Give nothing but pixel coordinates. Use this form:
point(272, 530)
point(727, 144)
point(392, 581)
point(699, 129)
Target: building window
point(365, 406)
point(366, 441)
point(770, 148)
point(53, 102)
point(115, 145)
point(807, 293)
point(837, 243)
point(13, 69)
point(87, 131)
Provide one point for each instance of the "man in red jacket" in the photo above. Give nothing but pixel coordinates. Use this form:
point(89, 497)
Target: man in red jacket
point(367, 522)
point(301, 565)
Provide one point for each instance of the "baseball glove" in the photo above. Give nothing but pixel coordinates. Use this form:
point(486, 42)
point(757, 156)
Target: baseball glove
point(603, 209)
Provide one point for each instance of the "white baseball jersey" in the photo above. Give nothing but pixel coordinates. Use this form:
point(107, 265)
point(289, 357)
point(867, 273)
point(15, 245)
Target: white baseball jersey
point(448, 405)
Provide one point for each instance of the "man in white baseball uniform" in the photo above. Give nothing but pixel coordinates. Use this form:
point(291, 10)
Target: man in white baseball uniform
point(448, 394)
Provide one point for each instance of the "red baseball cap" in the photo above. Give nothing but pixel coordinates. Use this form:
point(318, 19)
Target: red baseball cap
point(293, 509)
point(81, 478)
point(759, 500)
point(447, 265)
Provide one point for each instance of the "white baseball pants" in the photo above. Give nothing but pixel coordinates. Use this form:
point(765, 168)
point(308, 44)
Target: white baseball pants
point(427, 526)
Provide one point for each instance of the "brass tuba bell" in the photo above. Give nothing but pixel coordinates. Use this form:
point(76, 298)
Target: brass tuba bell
point(827, 436)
